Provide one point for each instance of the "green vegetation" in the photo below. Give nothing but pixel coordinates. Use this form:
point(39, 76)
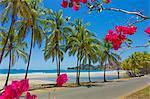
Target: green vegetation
point(137, 63)
point(142, 94)
point(56, 38)
point(107, 57)
point(83, 44)
point(14, 50)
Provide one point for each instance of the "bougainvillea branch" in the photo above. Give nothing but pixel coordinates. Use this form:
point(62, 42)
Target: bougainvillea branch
point(137, 21)
point(124, 49)
point(128, 12)
point(139, 14)
point(99, 7)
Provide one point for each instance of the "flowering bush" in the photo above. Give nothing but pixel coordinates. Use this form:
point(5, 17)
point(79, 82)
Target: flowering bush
point(62, 79)
point(76, 4)
point(29, 96)
point(118, 36)
point(147, 30)
point(15, 90)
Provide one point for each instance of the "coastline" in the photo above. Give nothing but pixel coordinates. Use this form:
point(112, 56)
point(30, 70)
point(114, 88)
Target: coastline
point(72, 74)
point(35, 77)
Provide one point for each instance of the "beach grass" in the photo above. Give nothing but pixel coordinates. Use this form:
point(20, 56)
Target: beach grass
point(142, 94)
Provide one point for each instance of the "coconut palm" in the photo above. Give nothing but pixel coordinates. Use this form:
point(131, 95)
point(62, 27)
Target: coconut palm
point(15, 8)
point(78, 44)
point(107, 57)
point(35, 24)
point(92, 46)
point(14, 50)
point(25, 12)
point(55, 40)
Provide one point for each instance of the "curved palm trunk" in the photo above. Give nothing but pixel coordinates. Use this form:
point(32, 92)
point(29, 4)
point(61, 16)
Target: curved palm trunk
point(6, 82)
point(10, 29)
point(89, 71)
point(105, 73)
point(29, 58)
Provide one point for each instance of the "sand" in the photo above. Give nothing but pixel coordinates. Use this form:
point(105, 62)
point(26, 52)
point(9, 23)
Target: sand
point(48, 75)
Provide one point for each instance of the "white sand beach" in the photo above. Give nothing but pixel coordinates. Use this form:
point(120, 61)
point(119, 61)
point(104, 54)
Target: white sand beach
point(32, 76)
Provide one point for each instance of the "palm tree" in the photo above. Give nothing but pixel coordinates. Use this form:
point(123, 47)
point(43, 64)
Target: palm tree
point(28, 13)
point(14, 8)
point(92, 46)
point(78, 45)
point(14, 50)
point(35, 23)
point(55, 40)
point(107, 57)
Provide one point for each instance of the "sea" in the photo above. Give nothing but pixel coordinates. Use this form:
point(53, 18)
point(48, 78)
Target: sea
point(22, 71)
point(71, 79)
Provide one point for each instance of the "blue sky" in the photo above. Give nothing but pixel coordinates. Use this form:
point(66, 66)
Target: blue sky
point(100, 24)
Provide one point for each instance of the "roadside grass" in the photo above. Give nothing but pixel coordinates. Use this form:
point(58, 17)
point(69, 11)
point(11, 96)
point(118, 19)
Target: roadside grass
point(142, 94)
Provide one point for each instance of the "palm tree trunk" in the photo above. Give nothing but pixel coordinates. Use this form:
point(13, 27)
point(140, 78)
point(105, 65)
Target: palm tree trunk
point(89, 70)
point(29, 58)
point(118, 74)
point(59, 66)
point(57, 63)
point(6, 82)
point(10, 29)
point(77, 75)
point(79, 72)
point(105, 73)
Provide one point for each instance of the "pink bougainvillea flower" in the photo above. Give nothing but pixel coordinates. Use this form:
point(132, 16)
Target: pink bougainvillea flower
point(131, 30)
point(62, 79)
point(29, 96)
point(20, 86)
point(15, 90)
point(106, 1)
point(119, 36)
point(2, 97)
point(64, 4)
point(9, 93)
point(126, 30)
point(122, 37)
point(147, 30)
point(120, 29)
point(24, 85)
point(116, 44)
point(92, 0)
point(76, 6)
point(83, 1)
point(75, 1)
point(116, 38)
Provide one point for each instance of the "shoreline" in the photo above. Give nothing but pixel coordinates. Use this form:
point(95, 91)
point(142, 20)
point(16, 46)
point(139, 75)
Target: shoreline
point(35, 78)
point(72, 74)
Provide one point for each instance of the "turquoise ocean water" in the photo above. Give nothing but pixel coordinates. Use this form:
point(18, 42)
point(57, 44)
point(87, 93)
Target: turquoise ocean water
point(71, 79)
point(21, 71)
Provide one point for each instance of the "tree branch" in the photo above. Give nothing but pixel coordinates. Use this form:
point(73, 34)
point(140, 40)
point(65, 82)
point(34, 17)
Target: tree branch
point(128, 12)
point(122, 50)
point(137, 21)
